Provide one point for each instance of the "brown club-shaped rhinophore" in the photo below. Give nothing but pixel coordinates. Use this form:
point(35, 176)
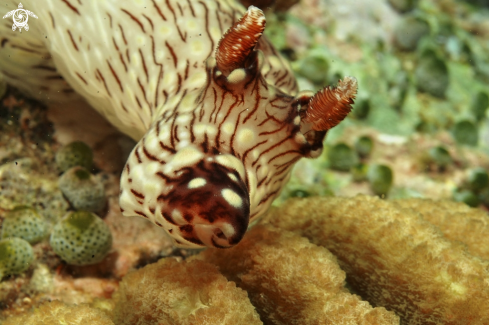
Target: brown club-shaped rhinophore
point(213, 163)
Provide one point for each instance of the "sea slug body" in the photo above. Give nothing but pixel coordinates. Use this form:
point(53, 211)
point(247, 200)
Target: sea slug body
point(213, 105)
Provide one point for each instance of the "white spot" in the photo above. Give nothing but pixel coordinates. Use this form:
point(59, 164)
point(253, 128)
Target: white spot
point(232, 198)
point(297, 120)
point(228, 127)
point(197, 182)
point(232, 177)
point(300, 138)
point(237, 75)
point(245, 136)
point(184, 157)
point(231, 162)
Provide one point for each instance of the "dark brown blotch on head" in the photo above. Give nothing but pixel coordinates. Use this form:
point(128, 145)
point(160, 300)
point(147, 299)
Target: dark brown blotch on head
point(205, 204)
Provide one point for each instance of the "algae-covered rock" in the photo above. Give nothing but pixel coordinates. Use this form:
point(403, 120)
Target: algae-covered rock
point(409, 31)
point(440, 156)
point(364, 146)
point(24, 222)
point(432, 74)
point(465, 132)
point(341, 157)
point(466, 196)
point(82, 189)
point(16, 256)
point(380, 178)
point(76, 153)
point(81, 238)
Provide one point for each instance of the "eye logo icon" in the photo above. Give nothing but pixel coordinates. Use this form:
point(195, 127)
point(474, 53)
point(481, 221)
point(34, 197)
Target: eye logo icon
point(20, 17)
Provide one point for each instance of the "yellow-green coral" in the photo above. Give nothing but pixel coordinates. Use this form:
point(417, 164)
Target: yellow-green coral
point(291, 281)
point(58, 313)
point(173, 292)
point(395, 258)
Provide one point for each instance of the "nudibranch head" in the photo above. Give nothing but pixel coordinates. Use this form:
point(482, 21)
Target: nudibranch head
point(215, 160)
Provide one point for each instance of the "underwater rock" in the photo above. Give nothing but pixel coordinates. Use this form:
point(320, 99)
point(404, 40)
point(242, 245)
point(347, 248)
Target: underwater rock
point(24, 222)
point(81, 238)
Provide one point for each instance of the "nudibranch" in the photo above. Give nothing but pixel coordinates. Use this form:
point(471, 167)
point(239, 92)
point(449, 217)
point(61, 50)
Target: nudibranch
point(214, 106)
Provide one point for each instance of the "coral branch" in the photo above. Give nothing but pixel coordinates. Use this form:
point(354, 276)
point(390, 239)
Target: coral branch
point(239, 41)
point(331, 105)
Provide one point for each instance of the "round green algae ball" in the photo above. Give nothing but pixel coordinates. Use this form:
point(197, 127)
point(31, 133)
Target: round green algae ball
point(314, 68)
point(16, 255)
point(76, 153)
point(341, 157)
point(409, 31)
point(479, 106)
point(380, 178)
point(361, 109)
point(432, 74)
point(359, 172)
point(81, 238)
point(465, 132)
point(478, 179)
point(364, 146)
point(467, 197)
point(440, 156)
point(82, 189)
point(24, 222)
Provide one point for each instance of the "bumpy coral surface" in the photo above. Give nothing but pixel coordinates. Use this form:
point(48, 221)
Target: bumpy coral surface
point(457, 221)
point(292, 281)
point(57, 313)
point(394, 258)
point(172, 292)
